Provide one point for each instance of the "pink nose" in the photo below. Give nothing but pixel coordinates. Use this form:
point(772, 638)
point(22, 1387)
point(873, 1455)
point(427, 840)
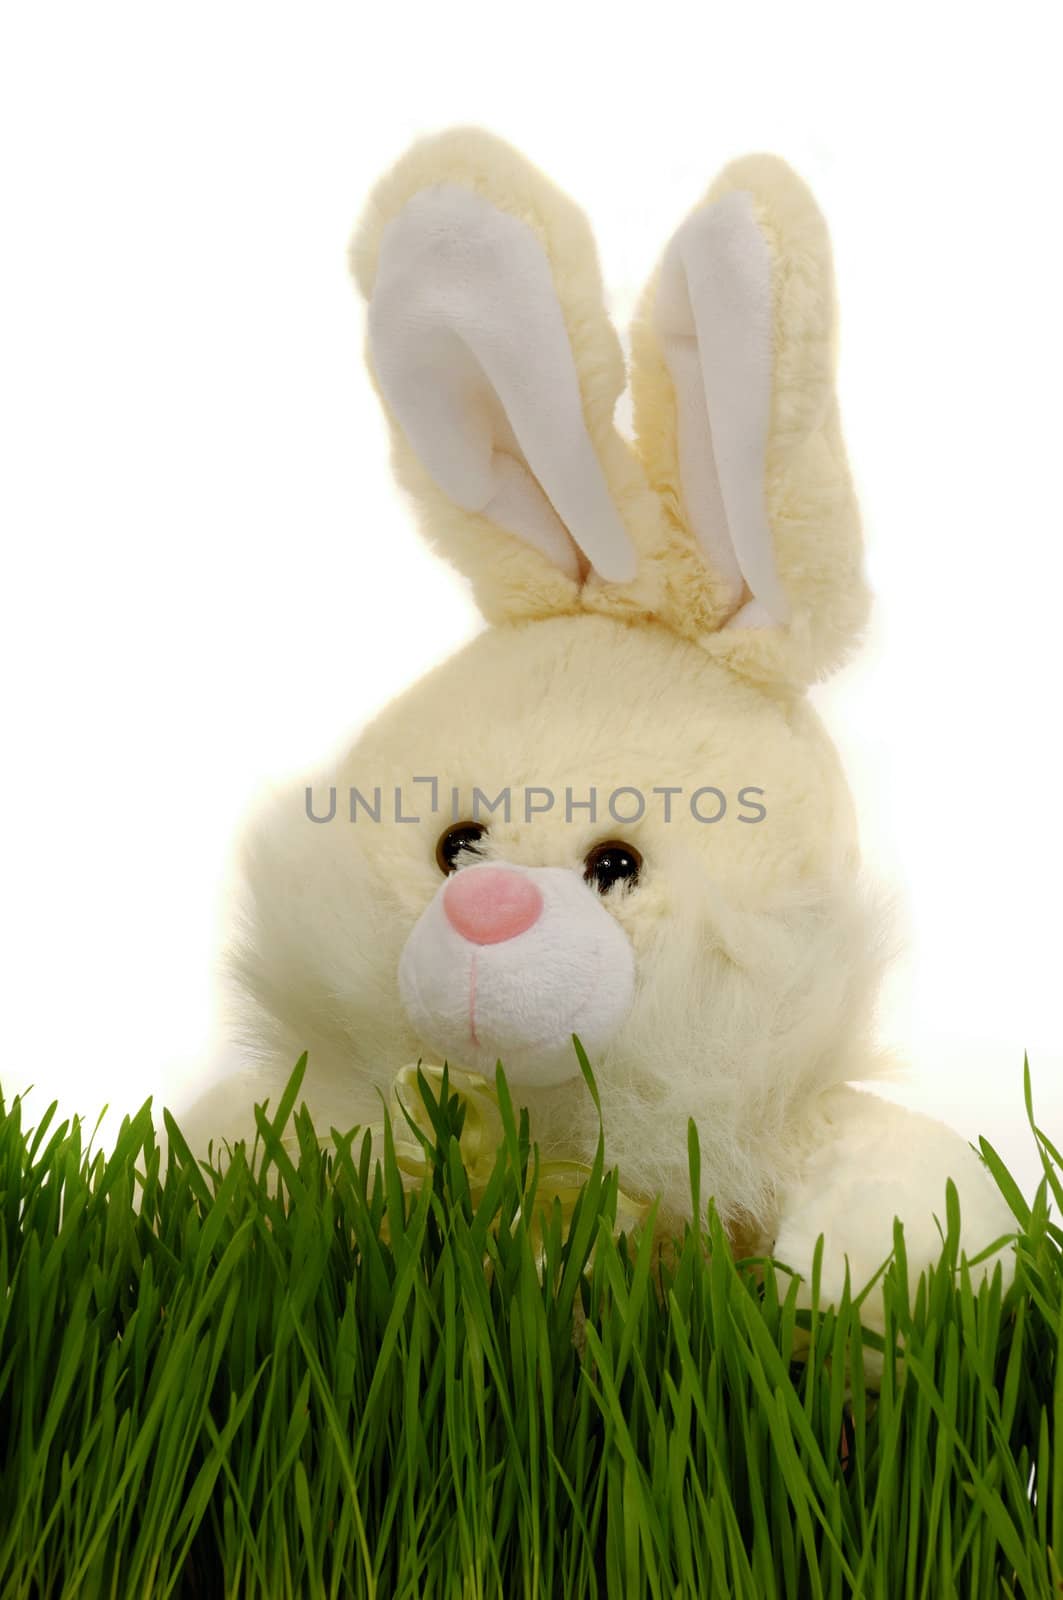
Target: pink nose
point(489, 904)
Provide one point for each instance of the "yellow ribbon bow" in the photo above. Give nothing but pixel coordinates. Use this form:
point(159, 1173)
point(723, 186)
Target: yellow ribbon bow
point(482, 1135)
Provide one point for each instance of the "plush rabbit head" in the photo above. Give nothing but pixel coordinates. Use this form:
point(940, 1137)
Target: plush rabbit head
point(628, 823)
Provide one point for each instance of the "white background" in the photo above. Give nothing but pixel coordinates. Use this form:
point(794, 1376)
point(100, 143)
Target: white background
point(209, 579)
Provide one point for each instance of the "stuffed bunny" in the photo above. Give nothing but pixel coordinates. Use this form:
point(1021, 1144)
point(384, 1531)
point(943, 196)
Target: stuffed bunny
point(614, 813)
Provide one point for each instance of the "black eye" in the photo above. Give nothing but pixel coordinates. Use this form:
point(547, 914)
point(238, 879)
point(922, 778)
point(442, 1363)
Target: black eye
point(462, 836)
point(611, 862)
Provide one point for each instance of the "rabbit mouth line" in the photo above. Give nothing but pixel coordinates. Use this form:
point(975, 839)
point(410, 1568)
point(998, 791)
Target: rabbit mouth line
point(575, 1009)
point(473, 1035)
point(519, 1046)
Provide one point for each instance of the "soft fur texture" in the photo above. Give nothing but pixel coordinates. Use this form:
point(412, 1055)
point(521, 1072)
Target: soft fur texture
point(742, 967)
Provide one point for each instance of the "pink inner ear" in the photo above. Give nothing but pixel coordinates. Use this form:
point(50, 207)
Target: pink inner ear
point(487, 905)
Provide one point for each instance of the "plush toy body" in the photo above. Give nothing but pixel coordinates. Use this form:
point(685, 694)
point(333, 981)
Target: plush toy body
point(631, 825)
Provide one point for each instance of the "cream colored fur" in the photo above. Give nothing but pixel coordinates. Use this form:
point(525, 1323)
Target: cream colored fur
point(758, 947)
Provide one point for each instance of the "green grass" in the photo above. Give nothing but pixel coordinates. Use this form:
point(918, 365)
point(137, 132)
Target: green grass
point(227, 1383)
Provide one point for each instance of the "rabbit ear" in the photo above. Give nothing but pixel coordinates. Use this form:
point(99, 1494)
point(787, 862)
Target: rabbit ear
point(499, 370)
point(737, 424)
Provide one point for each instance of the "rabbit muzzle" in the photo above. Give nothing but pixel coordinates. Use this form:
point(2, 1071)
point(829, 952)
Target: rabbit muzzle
point(507, 963)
